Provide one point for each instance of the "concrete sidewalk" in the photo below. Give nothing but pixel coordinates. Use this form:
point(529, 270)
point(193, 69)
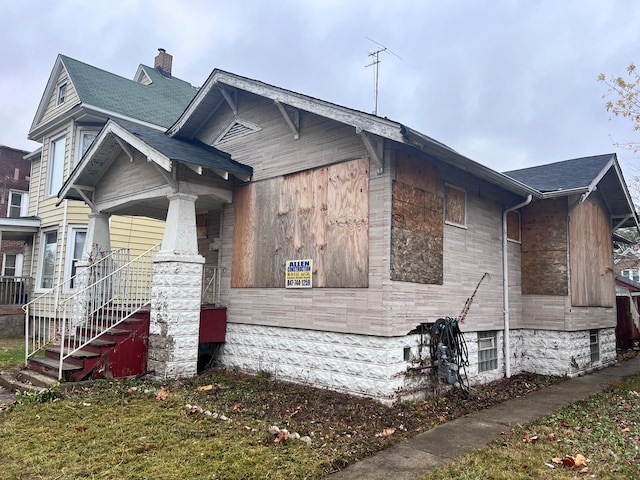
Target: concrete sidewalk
point(439, 446)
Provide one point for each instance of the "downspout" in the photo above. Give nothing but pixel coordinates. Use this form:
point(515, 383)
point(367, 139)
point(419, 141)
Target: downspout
point(505, 285)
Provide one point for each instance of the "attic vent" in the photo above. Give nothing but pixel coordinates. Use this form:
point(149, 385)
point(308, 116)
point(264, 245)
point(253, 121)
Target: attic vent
point(238, 128)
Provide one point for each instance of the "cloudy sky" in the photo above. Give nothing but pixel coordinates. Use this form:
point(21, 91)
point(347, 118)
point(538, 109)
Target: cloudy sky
point(508, 83)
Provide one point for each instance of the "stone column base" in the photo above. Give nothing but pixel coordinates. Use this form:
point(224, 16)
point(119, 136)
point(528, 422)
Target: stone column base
point(175, 315)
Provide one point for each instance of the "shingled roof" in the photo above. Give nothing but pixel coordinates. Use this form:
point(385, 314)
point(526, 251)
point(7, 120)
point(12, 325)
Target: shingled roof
point(574, 174)
point(189, 151)
point(159, 103)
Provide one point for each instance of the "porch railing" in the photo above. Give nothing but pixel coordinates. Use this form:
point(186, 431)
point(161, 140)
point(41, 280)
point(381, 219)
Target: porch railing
point(211, 285)
point(15, 290)
point(116, 288)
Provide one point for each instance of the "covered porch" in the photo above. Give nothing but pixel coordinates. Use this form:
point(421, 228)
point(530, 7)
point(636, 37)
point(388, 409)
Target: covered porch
point(139, 171)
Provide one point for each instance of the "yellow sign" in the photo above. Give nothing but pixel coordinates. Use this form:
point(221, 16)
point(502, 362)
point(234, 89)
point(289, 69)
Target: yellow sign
point(299, 274)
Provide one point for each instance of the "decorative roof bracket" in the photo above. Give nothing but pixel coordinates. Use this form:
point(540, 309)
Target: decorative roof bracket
point(375, 148)
point(168, 176)
point(287, 114)
point(229, 98)
point(85, 197)
point(125, 148)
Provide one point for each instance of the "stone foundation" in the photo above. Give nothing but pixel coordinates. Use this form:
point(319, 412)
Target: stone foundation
point(377, 366)
point(11, 322)
point(565, 353)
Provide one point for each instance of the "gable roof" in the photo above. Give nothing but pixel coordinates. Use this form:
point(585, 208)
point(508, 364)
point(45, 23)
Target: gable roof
point(220, 84)
point(582, 176)
point(156, 145)
point(158, 103)
point(568, 175)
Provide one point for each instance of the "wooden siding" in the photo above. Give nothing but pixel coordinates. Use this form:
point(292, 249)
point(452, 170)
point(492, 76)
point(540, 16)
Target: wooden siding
point(52, 110)
point(272, 151)
point(135, 233)
point(544, 248)
point(592, 280)
point(128, 178)
point(321, 214)
point(417, 226)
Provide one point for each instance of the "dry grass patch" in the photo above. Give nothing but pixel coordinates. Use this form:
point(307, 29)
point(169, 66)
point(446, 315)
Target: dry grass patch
point(215, 426)
point(595, 438)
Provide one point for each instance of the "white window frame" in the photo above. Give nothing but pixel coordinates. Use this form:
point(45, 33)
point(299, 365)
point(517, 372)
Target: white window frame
point(61, 93)
point(594, 345)
point(81, 133)
point(632, 274)
point(69, 254)
point(18, 264)
point(448, 222)
point(54, 146)
point(41, 255)
point(24, 203)
point(487, 351)
point(517, 212)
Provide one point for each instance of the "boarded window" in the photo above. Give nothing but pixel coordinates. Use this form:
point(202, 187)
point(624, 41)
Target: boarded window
point(592, 280)
point(513, 226)
point(416, 228)
point(201, 225)
point(455, 206)
point(320, 214)
point(544, 248)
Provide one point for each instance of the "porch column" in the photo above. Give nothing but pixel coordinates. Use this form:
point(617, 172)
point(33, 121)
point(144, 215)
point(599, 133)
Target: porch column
point(176, 294)
point(98, 239)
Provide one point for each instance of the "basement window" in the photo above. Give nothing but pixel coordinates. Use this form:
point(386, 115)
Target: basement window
point(594, 345)
point(487, 351)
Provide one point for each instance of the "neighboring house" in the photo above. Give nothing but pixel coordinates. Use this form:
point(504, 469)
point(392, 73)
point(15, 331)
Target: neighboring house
point(386, 229)
point(14, 199)
point(628, 308)
point(77, 101)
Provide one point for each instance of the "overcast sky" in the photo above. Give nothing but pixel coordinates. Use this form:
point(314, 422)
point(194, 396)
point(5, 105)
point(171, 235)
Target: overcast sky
point(509, 84)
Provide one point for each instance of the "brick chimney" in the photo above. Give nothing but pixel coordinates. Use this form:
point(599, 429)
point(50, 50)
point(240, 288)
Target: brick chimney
point(163, 62)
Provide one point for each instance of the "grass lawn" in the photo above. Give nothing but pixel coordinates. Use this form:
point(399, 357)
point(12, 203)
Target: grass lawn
point(595, 438)
point(224, 425)
point(11, 352)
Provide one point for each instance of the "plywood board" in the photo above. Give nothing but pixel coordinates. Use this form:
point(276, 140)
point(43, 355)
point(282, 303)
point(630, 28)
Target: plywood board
point(417, 231)
point(592, 280)
point(320, 214)
point(544, 248)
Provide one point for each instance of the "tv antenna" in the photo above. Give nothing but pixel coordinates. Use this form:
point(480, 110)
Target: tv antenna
point(375, 62)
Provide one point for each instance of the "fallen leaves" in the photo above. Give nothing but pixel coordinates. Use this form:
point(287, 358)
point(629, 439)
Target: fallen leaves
point(281, 435)
point(573, 462)
point(163, 394)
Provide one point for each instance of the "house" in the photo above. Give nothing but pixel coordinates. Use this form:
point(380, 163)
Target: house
point(628, 316)
point(76, 103)
point(14, 187)
point(342, 237)
point(568, 284)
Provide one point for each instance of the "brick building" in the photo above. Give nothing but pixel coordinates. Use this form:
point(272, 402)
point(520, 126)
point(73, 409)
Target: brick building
point(15, 171)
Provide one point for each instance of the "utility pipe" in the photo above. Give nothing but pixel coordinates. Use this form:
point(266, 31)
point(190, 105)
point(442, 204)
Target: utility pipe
point(505, 285)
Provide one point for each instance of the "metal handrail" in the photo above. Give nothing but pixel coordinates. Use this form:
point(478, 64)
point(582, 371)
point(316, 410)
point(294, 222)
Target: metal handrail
point(107, 301)
point(44, 312)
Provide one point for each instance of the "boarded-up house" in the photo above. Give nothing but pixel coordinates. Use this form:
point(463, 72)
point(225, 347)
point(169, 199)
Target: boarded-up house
point(383, 228)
